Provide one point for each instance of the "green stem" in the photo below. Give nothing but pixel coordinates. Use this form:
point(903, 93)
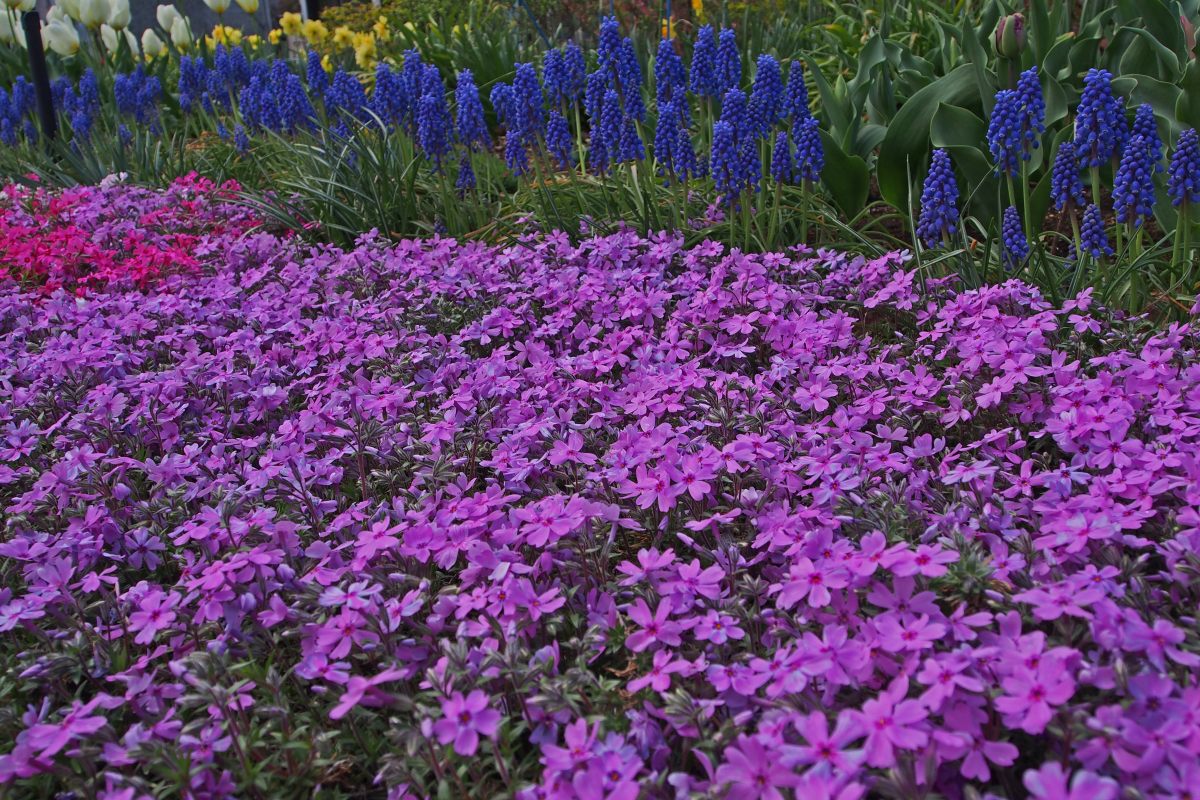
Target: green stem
point(1026, 206)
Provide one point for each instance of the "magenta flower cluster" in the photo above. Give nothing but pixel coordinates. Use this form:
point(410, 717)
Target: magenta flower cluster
point(611, 520)
point(115, 233)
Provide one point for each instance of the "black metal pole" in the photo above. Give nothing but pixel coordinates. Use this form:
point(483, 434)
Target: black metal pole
point(41, 76)
point(314, 9)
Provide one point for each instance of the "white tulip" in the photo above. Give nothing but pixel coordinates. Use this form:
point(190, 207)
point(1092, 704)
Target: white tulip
point(119, 16)
point(19, 5)
point(152, 46)
point(61, 37)
point(93, 13)
point(181, 34)
point(71, 7)
point(219, 6)
point(249, 6)
point(10, 33)
point(166, 16)
point(108, 35)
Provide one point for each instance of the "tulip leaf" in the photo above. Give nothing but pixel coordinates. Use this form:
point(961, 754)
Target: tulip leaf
point(845, 176)
point(1187, 108)
point(905, 148)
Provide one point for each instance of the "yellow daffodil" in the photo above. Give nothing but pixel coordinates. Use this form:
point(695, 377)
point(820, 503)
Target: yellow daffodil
point(226, 35)
point(364, 50)
point(698, 10)
point(343, 36)
point(327, 63)
point(254, 40)
point(314, 31)
point(381, 29)
point(275, 36)
point(290, 23)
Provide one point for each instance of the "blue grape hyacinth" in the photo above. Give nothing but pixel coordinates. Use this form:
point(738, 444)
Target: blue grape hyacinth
point(797, 93)
point(1183, 179)
point(629, 76)
point(810, 151)
point(465, 181)
point(469, 121)
point(1100, 126)
point(939, 202)
point(1133, 189)
point(766, 95)
point(1145, 125)
point(726, 162)
point(703, 75)
point(670, 78)
point(1004, 133)
point(1012, 236)
point(729, 61)
point(558, 139)
point(1066, 184)
point(1093, 237)
point(782, 168)
point(1032, 111)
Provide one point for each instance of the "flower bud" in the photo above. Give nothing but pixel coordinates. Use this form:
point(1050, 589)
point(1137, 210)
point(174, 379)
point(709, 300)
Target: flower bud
point(166, 16)
point(108, 35)
point(94, 13)
point(249, 6)
point(152, 45)
point(1010, 36)
point(181, 34)
point(119, 16)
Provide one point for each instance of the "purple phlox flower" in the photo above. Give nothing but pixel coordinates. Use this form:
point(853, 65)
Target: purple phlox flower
point(813, 581)
point(754, 771)
point(1051, 783)
point(827, 752)
point(891, 722)
point(663, 665)
point(656, 627)
point(464, 720)
point(48, 738)
point(1032, 694)
point(945, 674)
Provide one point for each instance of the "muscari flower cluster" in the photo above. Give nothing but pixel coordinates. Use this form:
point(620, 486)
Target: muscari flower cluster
point(939, 202)
point(1102, 134)
point(16, 113)
point(1017, 123)
point(516, 545)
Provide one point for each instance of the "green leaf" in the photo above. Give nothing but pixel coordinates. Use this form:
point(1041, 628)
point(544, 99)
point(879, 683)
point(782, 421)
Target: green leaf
point(964, 136)
point(1163, 97)
point(957, 127)
point(1187, 108)
point(1041, 35)
point(846, 177)
point(1056, 100)
point(906, 146)
point(978, 58)
point(1159, 22)
point(836, 107)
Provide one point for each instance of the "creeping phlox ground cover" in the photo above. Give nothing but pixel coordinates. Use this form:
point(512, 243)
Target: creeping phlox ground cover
point(90, 236)
point(609, 520)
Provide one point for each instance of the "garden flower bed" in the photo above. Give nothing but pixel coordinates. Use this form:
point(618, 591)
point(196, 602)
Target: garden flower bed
point(92, 236)
point(618, 519)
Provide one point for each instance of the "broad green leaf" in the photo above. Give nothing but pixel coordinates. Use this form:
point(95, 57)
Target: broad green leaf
point(1159, 20)
point(1187, 108)
point(845, 176)
point(906, 146)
